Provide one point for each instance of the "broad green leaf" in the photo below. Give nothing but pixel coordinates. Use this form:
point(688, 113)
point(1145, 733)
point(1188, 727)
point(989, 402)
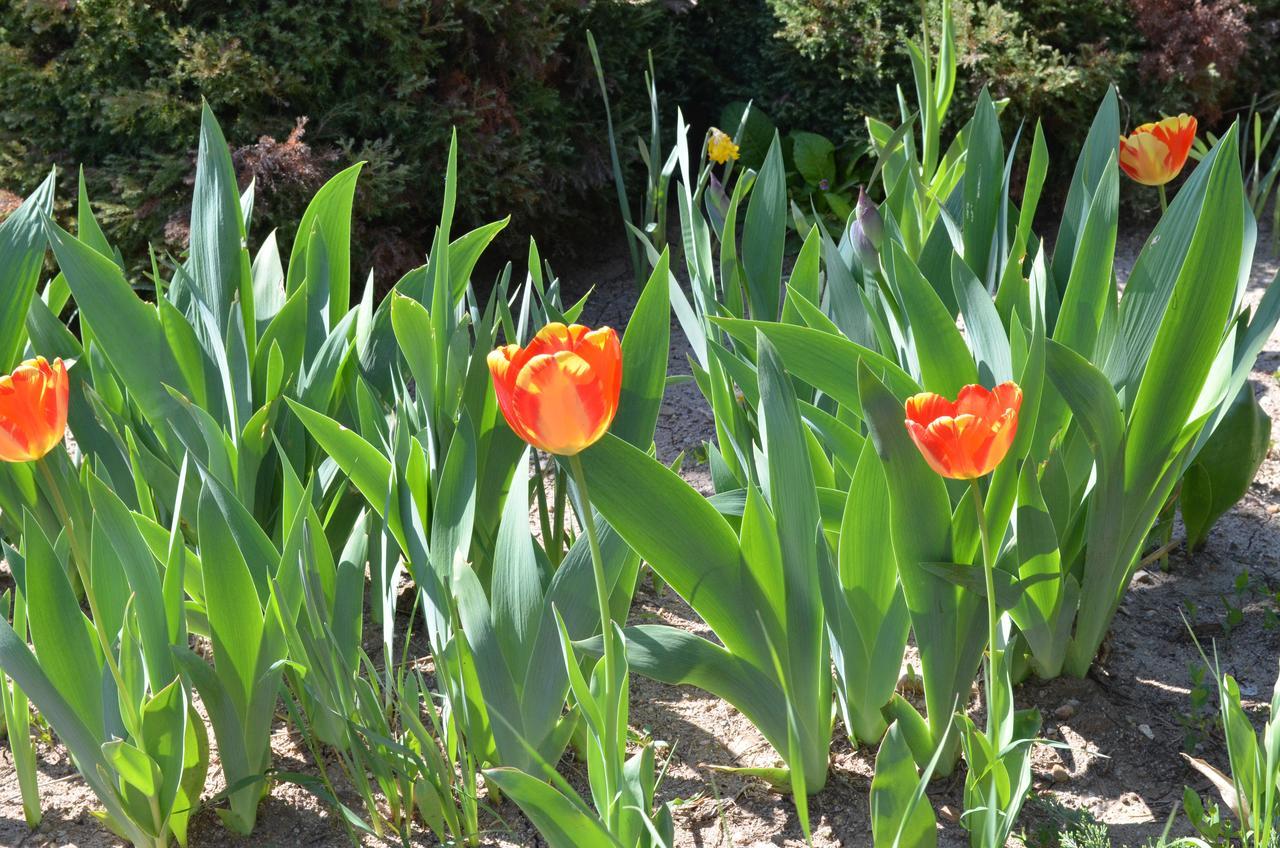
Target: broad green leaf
point(645, 349)
point(329, 214)
point(116, 523)
point(217, 226)
point(60, 633)
point(233, 607)
point(682, 537)
point(764, 234)
point(821, 359)
point(516, 592)
point(1099, 148)
point(368, 469)
point(945, 362)
point(128, 330)
point(560, 821)
point(1089, 283)
point(22, 247)
point(898, 818)
point(983, 176)
point(675, 656)
point(1192, 328)
point(983, 326)
point(792, 494)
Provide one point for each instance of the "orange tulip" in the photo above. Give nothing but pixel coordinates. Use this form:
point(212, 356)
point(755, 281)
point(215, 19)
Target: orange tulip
point(1154, 153)
point(966, 438)
point(33, 409)
point(560, 393)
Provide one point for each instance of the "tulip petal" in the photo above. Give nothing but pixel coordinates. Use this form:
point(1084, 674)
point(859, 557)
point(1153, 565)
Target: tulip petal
point(12, 448)
point(555, 402)
point(931, 447)
point(927, 406)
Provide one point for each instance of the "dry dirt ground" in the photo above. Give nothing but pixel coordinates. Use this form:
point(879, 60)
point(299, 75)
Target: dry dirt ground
point(1124, 726)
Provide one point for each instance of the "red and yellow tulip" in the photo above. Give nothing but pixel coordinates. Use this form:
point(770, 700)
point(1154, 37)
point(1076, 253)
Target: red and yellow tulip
point(966, 438)
point(33, 409)
point(560, 392)
point(1153, 154)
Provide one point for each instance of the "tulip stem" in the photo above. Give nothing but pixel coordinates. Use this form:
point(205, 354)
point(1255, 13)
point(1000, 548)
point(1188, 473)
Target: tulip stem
point(1164, 201)
point(609, 660)
point(994, 664)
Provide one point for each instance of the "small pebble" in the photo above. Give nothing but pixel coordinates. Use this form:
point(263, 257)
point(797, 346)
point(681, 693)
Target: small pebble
point(1059, 773)
point(949, 813)
point(1065, 711)
point(1145, 730)
point(1273, 508)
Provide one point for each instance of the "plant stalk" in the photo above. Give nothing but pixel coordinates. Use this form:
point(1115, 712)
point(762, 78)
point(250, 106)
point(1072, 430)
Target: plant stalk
point(994, 663)
point(609, 659)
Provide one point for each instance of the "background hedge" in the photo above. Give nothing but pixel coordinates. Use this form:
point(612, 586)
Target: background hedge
point(304, 89)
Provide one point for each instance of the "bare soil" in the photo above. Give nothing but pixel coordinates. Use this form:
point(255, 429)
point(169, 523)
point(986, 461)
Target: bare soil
point(1125, 725)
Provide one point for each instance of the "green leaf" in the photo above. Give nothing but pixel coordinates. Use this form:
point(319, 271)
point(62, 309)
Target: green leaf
point(1192, 328)
point(983, 199)
point(945, 362)
point(232, 604)
point(1089, 284)
point(133, 766)
point(217, 226)
point(898, 817)
point(114, 520)
point(560, 821)
point(815, 157)
point(164, 732)
point(983, 325)
point(645, 348)
point(368, 470)
point(81, 741)
point(764, 235)
point(22, 246)
point(792, 493)
point(415, 334)
point(682, 537)
point(821, 359)
point(675, 656)
point(329, 215)
point(127, 329)
point(868, 648)
point(516, 593)
point(1099, 148)
point(60, 632)
point(1222, 472)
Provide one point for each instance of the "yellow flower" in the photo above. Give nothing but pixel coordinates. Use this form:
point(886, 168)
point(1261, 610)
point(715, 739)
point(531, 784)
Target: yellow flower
point(720, 147)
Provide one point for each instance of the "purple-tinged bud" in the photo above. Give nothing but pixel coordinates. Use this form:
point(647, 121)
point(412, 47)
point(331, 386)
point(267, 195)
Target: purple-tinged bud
point(869, 218)
point(867, 253)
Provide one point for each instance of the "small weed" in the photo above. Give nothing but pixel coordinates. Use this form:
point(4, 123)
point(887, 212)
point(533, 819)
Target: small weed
point(1201, 717)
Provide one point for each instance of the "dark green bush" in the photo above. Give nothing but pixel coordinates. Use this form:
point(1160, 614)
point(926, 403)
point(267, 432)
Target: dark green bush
point(304, 89)
point(117, 84)
point(822, 64)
